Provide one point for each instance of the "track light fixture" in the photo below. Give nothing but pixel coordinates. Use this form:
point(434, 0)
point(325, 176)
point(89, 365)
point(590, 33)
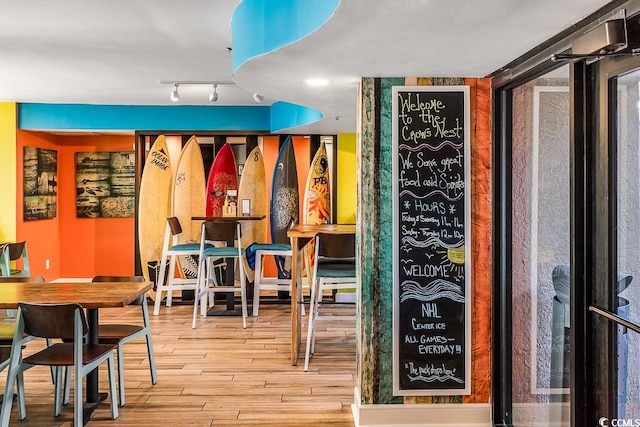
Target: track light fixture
point(175, 96)
point(213, 84)
point(213, 96)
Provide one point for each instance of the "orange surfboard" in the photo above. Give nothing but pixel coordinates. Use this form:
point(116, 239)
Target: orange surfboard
point(223, 176)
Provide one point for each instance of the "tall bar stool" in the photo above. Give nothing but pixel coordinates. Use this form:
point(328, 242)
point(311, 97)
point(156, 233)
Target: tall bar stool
point(338, 273)
point(172, 250)
point(263, 282)
point(230, 233)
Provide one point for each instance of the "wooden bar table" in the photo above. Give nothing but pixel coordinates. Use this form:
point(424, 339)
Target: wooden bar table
point(230, 271)
point(91, 296)
point(300, 235)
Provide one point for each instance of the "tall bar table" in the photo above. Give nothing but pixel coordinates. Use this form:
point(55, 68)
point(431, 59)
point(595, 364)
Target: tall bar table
point(300, 235)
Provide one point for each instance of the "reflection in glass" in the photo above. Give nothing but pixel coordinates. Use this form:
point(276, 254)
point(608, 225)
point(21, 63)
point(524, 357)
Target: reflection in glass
point(628, 248)
point(540, 251)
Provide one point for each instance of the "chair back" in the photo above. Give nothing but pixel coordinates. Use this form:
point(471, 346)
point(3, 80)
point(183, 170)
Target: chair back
point(137, 301)
point(22, 279)
point(174, 225)
point(52, 320)
point(15, 250)
point(221, 231)
point(12, 252)
point(336, 245)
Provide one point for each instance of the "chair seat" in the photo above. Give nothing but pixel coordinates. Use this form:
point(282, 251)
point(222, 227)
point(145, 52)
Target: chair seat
point(280, 247)
point(112, 333)
point(61, 354)
point(336, 271)
point(5, 352)
point(189, 247)
point(223, 251)
point(327, 260)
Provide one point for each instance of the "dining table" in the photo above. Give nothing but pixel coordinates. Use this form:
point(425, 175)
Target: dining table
point(300, 235)
point(91, 296)
point(230, 272)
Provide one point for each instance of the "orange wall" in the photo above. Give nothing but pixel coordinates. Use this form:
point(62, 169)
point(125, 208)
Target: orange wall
point(76, 247)
point(42, 236)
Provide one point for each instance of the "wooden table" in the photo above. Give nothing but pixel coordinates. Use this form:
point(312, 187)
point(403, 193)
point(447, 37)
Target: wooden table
point(92, 296)
point(229, 218)
point(230, 271)
point(300, 235)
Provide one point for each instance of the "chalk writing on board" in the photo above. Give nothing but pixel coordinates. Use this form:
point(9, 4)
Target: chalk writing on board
point(431, 319)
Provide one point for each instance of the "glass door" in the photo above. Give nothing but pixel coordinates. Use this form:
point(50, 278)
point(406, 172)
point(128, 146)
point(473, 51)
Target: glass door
point(540, 251)
point(614, 304)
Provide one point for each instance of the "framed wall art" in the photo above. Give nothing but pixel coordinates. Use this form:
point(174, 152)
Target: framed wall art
point(105, 184)
point(40, 183)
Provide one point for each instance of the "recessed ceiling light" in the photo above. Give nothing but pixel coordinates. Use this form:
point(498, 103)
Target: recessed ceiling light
point(317, 82)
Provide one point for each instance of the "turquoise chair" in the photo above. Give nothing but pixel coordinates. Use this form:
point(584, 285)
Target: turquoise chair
point(13, 252)
point(260, 280)
point(171, 252)
point(120, 334)
point(56, 321)
point(334, 269)
point(228, 232)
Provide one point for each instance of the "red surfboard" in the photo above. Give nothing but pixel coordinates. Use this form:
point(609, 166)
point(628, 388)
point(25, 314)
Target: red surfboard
point(223, 176)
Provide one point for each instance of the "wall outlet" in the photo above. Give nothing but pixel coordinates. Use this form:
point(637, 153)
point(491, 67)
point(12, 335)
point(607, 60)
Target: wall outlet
point(46, 264)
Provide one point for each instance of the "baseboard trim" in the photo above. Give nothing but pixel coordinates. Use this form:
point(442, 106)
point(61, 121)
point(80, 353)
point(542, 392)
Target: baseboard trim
point(427, 415)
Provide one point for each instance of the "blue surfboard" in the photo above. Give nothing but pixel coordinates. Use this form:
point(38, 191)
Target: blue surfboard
point(284, 199)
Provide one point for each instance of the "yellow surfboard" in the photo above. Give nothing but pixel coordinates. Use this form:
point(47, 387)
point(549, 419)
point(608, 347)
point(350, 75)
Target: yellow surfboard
point(253, 187)
point(189, 196)
point(317, 196)
point(155, 197)
point(317, 199)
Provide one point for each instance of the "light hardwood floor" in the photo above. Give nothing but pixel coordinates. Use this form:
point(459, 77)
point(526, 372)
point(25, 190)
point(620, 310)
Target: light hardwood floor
point(217, 374)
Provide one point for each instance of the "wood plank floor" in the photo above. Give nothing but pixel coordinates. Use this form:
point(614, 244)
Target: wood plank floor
point(217, 374)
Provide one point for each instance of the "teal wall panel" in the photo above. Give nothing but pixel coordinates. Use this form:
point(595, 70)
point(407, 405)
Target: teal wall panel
point(386, 241)
point(35, 116)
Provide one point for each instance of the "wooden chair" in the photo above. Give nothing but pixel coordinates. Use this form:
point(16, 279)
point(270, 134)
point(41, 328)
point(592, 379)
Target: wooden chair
point(228, 232)
point(339, 273)
point(171, 251)
point(56, 321)
point(13, 252)
point(120, 334)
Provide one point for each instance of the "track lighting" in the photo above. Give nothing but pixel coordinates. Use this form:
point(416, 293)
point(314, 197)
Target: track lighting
point(213, 96)
point(175, 96)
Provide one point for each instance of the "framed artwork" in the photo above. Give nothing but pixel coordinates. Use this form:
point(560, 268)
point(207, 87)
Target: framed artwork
point(105, 184)
point(40, 183)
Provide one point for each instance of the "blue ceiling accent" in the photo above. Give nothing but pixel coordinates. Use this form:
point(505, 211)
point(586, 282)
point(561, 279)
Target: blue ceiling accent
point(36, 116)
point(261, 26)
point(285, 116)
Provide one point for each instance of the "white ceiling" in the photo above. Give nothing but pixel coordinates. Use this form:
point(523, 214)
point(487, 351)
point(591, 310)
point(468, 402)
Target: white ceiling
point(118, 51)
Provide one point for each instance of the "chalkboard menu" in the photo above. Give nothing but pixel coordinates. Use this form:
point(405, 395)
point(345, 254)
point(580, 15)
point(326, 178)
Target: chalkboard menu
point(431, 230)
